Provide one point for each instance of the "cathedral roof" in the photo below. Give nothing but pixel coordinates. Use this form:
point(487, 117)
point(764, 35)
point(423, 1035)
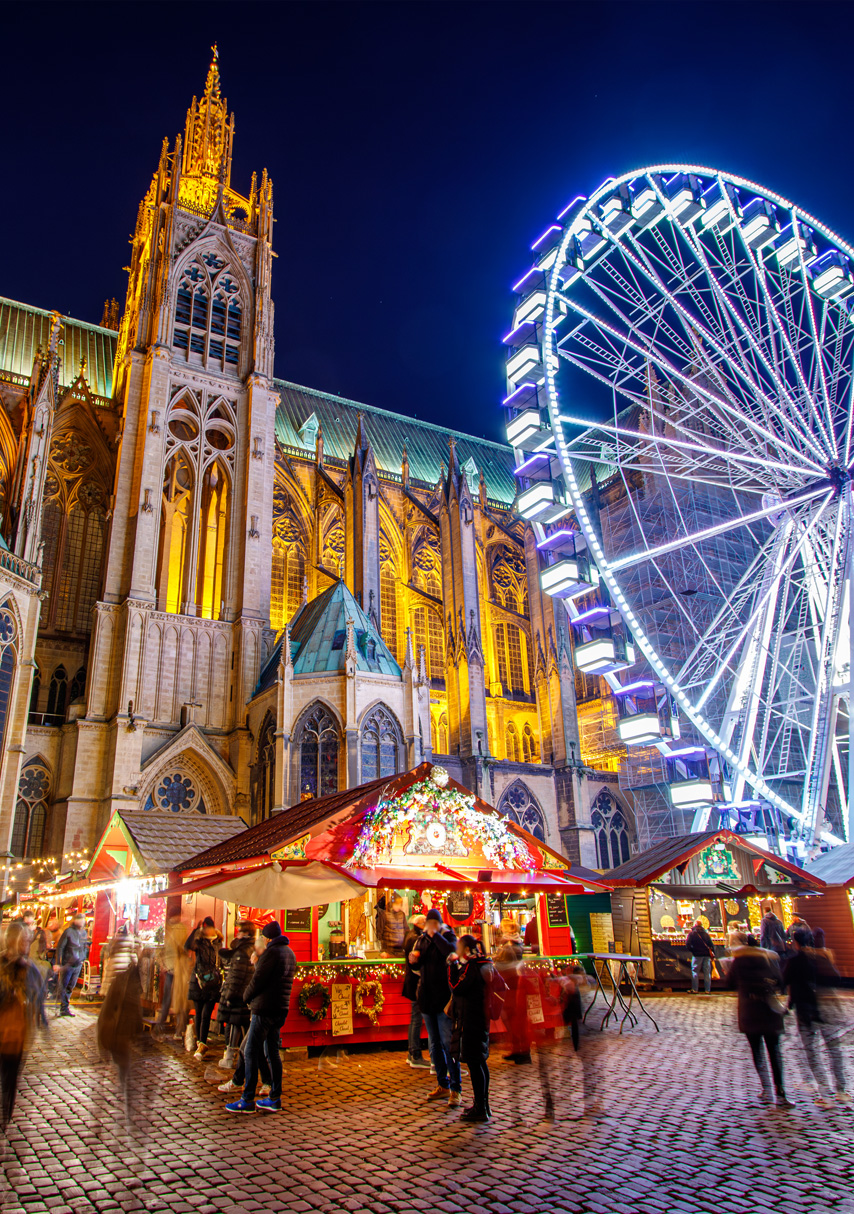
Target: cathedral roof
point(319, 639)
point(426, 444)
point(23, 329)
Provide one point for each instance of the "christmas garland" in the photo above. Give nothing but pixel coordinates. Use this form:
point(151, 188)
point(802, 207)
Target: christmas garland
point(314, 990)
point(372, 1011)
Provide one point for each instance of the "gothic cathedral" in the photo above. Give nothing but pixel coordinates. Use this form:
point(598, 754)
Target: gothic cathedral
point(225, 593)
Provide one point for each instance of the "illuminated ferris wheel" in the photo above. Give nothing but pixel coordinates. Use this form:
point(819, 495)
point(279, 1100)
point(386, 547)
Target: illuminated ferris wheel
point(681, 397)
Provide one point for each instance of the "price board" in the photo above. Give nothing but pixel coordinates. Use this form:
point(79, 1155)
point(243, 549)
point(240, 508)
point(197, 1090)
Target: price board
point(459, 905)
point(342, 1009)
point(556, 909)
point(298, 920)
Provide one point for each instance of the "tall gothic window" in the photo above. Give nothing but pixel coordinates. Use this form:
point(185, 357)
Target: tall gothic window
point(175, 533)
point(508, 651)
point(427, 630)
point(8, 658)
point(288, 573)
point(77, 687)
point(613, 844)
point(74, 530)
point(208, 314)
point(519, 803)
point(57, 697)
point(511, 743)
point(318, 743)
point(31, 811)
point(213, 538)
point(382, 746)
point(388, 608)
point(264, 772)
point(530, 749)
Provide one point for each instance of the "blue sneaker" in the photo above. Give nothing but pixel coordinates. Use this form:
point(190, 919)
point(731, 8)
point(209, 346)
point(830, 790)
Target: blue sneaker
point(266, 1105)
point(240, 1106)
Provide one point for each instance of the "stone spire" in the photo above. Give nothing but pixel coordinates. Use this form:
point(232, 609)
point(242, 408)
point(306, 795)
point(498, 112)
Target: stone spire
point(209, 133)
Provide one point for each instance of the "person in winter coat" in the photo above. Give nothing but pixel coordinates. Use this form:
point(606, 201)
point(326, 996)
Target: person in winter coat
point(233, 1008)
point(410, 991)
point(509, 961)
point(268, 996)
point(176, 975)
point(392, 928)
point(801, 979)
point(755, 975)
point(429, 958)
point(699, 944)
point(120, 1024)
point(772, 933)
point(21, 1010)
point(205, 981)
point(71, 951)
point(471, 975)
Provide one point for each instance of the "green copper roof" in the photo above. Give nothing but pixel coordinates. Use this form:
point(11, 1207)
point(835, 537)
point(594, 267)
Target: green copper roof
point(426, 444)
point(319, 639)
point(23, 329)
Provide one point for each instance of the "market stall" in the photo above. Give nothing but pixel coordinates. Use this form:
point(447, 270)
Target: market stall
point(419, 834)
point(833, 909)
point(721, 878)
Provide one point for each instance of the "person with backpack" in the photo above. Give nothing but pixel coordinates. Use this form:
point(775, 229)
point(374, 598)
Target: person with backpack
point(699, 944)
point(206, 979)
point(471, 976)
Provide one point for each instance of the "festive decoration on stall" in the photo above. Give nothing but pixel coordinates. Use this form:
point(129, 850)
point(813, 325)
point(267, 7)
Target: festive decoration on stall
point(371, 990)
point(716, 863)
point(432, 819)
point(314, 990)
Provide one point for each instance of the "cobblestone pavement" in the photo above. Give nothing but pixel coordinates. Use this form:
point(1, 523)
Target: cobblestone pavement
point(682, 1132)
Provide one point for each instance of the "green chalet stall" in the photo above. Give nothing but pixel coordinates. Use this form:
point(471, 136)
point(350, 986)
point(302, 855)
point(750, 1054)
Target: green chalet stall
point(323, 867)
point(721, 878)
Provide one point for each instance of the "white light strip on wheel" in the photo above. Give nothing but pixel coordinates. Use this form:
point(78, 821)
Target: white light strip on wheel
point(624, 562)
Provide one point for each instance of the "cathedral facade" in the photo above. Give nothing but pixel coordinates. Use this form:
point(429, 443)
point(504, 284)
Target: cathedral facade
point(225, 593)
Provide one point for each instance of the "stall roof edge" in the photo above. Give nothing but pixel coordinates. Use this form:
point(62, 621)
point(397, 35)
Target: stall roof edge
point(834, 867)
point(647, 866)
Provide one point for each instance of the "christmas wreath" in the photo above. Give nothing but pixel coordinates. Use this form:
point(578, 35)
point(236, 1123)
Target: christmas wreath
point(372, 990)
point(314, 990)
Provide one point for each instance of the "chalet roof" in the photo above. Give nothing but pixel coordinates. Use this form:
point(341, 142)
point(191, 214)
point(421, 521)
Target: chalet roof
point(319, 640)
point(651, 864)
point(426, 444)
point(165, 840)
point(835, 867)
point(24, 328)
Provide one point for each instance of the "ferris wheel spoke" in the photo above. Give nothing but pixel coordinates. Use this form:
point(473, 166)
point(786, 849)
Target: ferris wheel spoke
point(808, 306)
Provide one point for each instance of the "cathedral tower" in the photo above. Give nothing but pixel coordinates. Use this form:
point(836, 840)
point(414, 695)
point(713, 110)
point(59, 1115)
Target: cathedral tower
point(183, 624)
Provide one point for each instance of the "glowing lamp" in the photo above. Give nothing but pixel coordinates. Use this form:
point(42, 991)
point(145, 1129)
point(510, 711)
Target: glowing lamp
point(691, 794)
point(640, 728)
point(523, 426)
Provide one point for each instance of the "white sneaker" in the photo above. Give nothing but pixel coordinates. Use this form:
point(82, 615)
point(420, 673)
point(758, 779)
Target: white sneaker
point(228, 1086)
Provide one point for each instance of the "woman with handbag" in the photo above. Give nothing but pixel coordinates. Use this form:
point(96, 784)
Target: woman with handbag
point(205, 983)
point(756, 976)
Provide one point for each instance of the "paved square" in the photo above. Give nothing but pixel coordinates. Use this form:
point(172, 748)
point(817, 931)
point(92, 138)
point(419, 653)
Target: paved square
point(682, 1132)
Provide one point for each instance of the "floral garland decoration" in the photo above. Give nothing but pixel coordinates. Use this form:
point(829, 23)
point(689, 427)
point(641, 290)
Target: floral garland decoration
point(374, 1010)
point(432, 805)
point(314, 990)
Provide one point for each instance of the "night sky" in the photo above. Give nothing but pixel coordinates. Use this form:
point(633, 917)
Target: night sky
point(416, 150)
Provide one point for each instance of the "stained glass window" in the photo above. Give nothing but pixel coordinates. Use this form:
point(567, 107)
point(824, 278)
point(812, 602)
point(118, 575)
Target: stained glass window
point(57, 697)
point(318, 740)
point(382, 742)
point(28, 828)
point(508, 652)
point(296, 576)
point(277, 587)
point(175, 792)
point(530, 750)
point(388, 609)
point(264, 772)
point(518, 802)
point(511, 741)
point(611, 827)
point(208, 313)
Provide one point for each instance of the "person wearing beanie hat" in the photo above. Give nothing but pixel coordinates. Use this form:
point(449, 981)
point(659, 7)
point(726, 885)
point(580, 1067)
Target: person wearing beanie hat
point(429, 958)
point(268, 995)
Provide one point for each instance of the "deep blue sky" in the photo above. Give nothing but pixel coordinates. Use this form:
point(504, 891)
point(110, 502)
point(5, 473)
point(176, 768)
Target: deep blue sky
point(416, 150)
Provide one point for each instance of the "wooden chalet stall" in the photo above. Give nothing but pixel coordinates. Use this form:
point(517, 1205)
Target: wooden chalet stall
point(420, 834)
point(720, 877)
point(833, 910)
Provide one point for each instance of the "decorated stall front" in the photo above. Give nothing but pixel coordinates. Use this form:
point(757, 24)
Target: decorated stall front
point(420, 835)
point(721, 878)
point(833, 910)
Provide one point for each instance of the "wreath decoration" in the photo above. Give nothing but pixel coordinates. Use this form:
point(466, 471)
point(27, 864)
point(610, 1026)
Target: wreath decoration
point(314, 990)
point(372, 990)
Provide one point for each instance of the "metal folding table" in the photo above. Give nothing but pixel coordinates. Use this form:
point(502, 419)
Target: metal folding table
point(624, 975)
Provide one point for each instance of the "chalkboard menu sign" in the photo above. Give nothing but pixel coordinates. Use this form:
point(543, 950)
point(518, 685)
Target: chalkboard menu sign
point(298, 920)
point(459, 905)
point(556, 906)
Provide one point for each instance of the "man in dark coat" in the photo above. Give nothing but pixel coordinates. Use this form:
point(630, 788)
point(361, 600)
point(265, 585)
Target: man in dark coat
point(268, 995)
point(233, 1010)
point(71, 951)
point(701, 947)
point(755, 974)
point(410, 991)
point(430, 959)
point(772, 934)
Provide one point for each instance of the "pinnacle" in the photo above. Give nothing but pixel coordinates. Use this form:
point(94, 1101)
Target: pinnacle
point(212, 82)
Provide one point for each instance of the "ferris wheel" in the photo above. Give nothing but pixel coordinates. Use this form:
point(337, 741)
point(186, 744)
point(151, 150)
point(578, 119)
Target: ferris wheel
point(681, 396)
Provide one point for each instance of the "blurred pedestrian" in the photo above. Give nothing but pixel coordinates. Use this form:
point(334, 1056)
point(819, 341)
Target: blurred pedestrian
point(392, 925)
point(121, 955)
point(205, 980)
point(760, 1016)
point(120, 1018)
point(801, 978)
point(233, 1009)
point(471, 975)
point(772, 933)
point(71, 951)
point(410, 991)
point(21, 1010)
point(175, 975)
point(509, 962)
point(268, 996)
point(429, 958)
point(701, 947)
